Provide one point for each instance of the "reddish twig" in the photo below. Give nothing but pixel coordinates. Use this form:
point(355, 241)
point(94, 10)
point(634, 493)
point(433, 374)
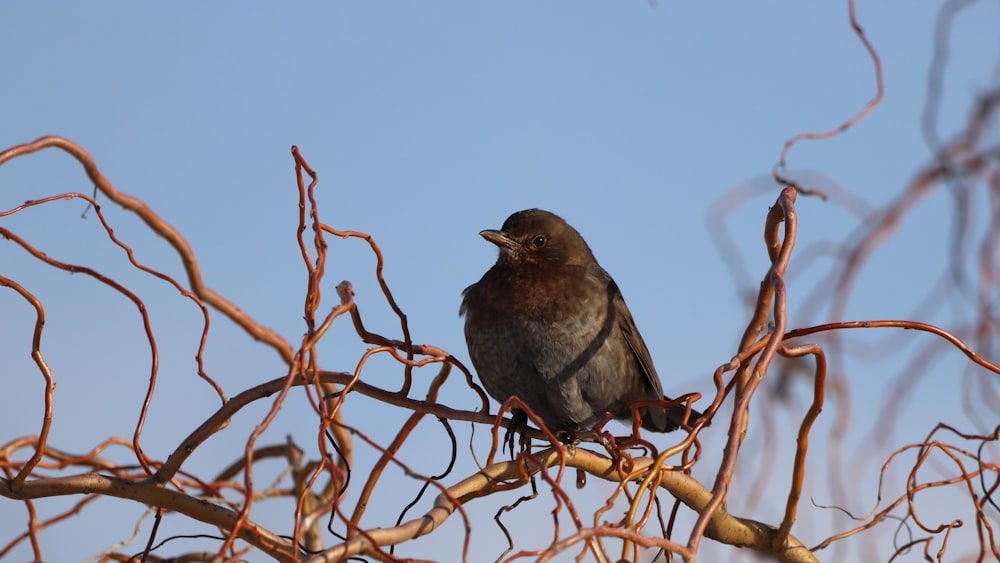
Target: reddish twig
point(880, 91)
point(160, 227)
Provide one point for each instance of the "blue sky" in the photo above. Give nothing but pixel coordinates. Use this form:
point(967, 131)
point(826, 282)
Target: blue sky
point(428, 122)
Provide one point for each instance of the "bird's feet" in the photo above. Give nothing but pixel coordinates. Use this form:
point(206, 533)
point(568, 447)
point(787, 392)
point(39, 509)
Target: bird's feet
point(518, 425)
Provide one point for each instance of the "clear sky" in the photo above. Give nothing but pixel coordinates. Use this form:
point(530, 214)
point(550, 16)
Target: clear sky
point(427, 122)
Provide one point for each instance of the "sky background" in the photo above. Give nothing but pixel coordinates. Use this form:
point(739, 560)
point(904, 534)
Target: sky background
point(428, 122)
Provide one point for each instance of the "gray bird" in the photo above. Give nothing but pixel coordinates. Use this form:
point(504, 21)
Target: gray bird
point(548, 324)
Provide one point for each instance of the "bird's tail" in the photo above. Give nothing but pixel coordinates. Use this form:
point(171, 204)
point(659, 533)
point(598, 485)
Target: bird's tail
point(668, 420)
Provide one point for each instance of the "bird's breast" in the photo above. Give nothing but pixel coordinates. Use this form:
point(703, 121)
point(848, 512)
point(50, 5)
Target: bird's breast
point(535, 299)
point(539, 317)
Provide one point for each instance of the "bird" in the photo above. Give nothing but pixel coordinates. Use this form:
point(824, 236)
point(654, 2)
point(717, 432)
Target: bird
point(548, 324)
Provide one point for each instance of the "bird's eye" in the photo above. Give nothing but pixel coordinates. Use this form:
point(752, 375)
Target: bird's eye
point(538, 241)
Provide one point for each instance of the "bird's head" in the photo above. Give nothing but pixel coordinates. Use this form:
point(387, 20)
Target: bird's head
point(539, 237)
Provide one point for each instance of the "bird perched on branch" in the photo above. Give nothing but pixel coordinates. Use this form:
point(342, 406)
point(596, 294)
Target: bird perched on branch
point(548, 324)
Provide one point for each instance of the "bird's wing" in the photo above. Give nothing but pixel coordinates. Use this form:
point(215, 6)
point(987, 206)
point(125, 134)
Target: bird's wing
point(635, 342)
point(468, 295)
point(663, 420)
point(659, 418)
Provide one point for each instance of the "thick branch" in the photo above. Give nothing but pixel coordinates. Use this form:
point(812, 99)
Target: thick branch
point(149, 492)
point(722, 527)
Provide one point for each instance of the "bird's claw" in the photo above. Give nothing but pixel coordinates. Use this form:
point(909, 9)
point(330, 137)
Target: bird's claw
point(518, 425)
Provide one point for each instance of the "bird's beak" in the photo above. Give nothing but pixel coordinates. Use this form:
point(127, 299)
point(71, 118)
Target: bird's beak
point(500, 239)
